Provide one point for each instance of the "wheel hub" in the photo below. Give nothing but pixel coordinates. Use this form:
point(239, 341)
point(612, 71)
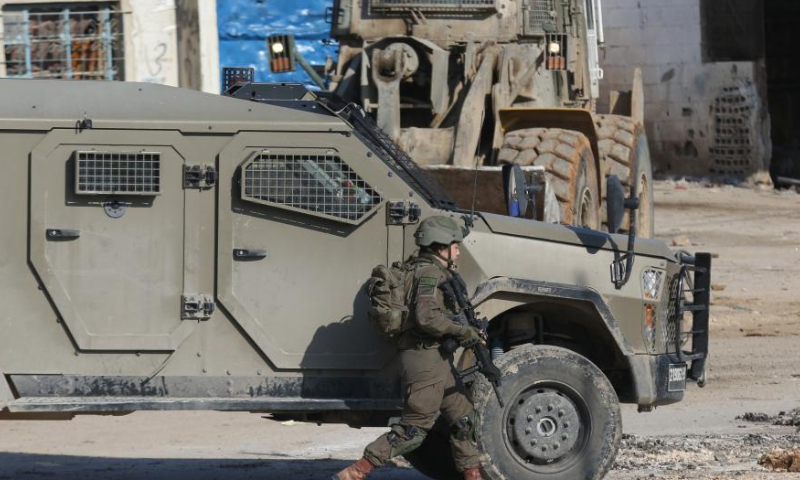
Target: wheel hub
point(545, 426)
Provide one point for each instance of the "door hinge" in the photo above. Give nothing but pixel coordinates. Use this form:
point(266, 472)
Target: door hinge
point(197, 307)
point(199, 176)
point(402, 212)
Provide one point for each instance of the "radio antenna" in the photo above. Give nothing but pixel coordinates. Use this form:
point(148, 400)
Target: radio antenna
point(477, 161)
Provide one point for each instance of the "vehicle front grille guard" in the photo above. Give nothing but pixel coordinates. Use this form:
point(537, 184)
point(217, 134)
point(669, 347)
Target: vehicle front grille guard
point(695, 280)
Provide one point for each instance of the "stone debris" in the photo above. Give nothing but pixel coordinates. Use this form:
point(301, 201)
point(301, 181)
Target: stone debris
point(697, 452)
point(784, 419)
point(754, 417)
point(681, 241)
point(778, 460)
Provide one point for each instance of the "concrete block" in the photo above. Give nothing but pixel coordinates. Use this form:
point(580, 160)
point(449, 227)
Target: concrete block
point(624, 36)
point(670, 16)
point(623, 17)
point(673, 36)
point(623, 56)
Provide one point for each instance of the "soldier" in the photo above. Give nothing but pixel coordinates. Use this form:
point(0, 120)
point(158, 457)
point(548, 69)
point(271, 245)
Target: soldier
point(429, 384)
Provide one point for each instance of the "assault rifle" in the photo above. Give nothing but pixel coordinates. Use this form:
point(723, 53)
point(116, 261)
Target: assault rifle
point(456, 288)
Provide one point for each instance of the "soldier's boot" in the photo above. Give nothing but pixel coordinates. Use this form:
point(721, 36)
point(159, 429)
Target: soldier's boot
point(473, 473)
point(356, 471)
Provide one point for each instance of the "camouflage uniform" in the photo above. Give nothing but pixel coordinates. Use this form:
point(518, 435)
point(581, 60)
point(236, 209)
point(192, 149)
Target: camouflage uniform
point(429, 384)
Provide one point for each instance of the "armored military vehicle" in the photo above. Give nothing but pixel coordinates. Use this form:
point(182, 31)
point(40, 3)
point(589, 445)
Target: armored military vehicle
point(486, 82)
point(166, 249)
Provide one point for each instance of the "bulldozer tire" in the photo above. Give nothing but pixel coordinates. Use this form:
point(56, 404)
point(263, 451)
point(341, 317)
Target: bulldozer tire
point(569, 163)
point(624, 152)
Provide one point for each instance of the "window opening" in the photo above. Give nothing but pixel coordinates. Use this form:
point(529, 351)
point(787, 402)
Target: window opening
point(80, 41)
point(732, 30)
point(590, 14)
point(118, 173)
point(319, 183)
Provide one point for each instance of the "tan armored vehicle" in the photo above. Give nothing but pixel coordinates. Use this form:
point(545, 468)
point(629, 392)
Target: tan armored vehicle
point(165, 249)
point(460, 83)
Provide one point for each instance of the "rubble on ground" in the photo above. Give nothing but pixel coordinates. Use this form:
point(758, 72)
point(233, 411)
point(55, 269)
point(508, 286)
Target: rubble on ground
point(698, 452)
point(779, 460)
point(785, 419)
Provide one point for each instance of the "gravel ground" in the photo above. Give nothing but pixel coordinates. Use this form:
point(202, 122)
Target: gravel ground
point(755, 368)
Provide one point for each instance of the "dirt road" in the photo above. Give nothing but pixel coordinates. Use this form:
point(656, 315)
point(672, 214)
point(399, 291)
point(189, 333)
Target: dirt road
point(755, 368)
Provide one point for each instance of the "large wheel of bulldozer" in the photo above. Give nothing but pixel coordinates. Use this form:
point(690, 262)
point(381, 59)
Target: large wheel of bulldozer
point(569, 164)
point(624, 152)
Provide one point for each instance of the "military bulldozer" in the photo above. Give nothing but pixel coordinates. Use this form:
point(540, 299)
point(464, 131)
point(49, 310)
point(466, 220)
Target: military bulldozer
point(466, 85)
point(167, 249)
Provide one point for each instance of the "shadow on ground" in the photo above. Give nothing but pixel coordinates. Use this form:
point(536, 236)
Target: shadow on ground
point(24, 466)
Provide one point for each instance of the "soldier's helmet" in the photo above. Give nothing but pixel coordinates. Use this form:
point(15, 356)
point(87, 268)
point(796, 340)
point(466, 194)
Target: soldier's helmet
point(439, 230)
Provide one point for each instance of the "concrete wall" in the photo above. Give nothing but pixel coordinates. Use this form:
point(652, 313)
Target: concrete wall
point(151, 42)
point(171, 42)
point(701, 118)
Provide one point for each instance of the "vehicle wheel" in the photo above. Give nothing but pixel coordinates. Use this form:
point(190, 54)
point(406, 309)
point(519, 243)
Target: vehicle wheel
point(624, 152)
point(561, 419)
point(569, 163)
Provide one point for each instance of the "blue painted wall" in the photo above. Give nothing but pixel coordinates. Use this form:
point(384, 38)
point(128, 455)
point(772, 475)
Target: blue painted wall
point(244, 26)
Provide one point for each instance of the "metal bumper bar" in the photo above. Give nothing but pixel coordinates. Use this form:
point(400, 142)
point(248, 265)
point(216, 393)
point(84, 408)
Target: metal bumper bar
point(696, 275)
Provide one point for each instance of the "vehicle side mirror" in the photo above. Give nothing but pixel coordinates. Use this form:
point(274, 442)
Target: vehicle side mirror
point(517, 192)
point(615, 203)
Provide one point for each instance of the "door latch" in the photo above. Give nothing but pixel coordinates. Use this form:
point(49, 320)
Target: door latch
point(199, 176)
point(403, 212)
point(197, 307)
point(62, 234)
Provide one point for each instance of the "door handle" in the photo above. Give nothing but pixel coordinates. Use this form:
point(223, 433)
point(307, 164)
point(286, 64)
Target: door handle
point(247, 254)
point(62, 234)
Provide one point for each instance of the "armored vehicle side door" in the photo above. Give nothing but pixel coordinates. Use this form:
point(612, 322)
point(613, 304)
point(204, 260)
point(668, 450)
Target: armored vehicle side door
point(302, 222)
point(107, 236)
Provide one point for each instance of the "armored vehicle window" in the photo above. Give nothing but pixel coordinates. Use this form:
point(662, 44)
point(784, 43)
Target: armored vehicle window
point(538, 17)
point(58, 40)
point(319, 183)
point(118, 173)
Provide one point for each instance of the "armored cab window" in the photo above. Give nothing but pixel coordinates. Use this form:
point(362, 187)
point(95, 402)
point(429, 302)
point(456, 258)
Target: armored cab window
point(539, 17)
point(312, 182)
point(117, 173)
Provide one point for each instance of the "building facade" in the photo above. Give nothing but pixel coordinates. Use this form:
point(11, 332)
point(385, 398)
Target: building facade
point(720, 87)
point(172, 42)
point(720, 76)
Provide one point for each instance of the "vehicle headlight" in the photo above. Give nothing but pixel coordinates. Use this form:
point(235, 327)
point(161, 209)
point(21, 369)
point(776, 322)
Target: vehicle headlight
point(651, 283)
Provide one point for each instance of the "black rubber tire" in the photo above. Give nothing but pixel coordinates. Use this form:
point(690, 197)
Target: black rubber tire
point(624, 152)
point(569, 163)
point(572, 376)
point(523, 368)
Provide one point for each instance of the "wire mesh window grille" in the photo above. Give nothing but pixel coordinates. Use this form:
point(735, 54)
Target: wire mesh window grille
point(111, 173)
point(319, 183)
point(73, 41)
point(540, 17)
point(434, 5)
